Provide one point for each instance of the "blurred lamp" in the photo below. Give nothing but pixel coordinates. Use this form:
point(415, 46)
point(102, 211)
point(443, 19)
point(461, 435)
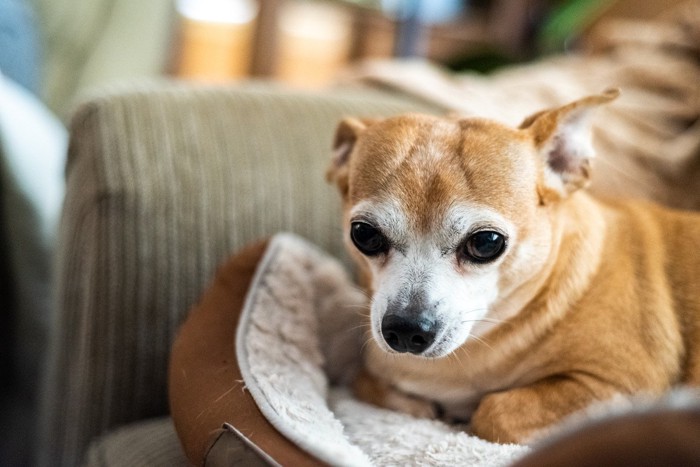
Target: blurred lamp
point(314, 40)
point(215, 38)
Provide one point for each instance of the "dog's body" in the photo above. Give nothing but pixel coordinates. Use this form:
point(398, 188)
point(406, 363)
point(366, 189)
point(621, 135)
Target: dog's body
point(501, 291)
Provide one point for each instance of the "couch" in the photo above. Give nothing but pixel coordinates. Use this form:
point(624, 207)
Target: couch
point(163, 182)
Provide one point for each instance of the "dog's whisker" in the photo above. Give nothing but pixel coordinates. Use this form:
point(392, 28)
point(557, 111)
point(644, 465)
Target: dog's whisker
point(362, 290)
point(357, 306)
point(363, 326)
point(482, 341)
point(476, 310)
point(485, 320)
point(366, 343)
point(362, 313)
point(455, 356)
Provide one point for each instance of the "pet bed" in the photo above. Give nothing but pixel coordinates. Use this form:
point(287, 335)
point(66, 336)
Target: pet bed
point(264, 360)
point(297, 343)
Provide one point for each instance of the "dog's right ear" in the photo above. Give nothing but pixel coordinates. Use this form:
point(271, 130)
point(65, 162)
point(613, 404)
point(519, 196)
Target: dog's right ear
point(563, 138)
point(346, 135)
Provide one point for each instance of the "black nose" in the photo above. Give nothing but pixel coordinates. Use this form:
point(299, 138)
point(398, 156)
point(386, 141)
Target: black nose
point(408, 335)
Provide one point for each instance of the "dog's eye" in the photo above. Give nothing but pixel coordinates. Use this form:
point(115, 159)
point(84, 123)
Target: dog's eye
point(484, 246)
point(368, 239)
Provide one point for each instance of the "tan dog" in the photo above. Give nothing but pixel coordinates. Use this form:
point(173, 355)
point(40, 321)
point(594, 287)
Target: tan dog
point(501, 291)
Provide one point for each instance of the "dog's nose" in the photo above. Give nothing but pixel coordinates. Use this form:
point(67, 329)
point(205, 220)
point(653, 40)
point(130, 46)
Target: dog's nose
point(408, 335)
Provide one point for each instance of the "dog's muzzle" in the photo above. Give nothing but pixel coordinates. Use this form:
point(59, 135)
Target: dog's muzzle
point(408, 335)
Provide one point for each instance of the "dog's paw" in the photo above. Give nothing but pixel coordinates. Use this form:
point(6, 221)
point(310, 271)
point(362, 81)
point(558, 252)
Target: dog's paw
point(492, 421)
point(414, 406)
point(370, 389)
point(505, 418)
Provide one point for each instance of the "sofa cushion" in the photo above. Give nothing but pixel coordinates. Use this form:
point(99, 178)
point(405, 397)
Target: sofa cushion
point(150, 443)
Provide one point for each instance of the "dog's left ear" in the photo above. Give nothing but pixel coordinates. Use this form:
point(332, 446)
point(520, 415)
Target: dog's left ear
point(346, 135)
point(563, 138)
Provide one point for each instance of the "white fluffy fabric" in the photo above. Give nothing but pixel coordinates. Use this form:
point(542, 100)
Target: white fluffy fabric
point(301, 331)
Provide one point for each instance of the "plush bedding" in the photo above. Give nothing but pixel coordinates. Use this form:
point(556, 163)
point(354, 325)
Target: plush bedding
point(268, 354)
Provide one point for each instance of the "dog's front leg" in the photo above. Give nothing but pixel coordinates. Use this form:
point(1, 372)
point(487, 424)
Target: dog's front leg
point(522, 414)
point(369, 388)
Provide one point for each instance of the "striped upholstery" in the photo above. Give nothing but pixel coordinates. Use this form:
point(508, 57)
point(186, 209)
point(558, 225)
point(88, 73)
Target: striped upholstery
point(150, 443)
point(163, 181)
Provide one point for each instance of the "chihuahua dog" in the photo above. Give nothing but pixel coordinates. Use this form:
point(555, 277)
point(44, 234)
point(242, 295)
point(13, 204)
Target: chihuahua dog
point(501, 292)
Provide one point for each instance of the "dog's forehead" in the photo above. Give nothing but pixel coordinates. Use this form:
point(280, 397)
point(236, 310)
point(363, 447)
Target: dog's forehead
point(428, 164)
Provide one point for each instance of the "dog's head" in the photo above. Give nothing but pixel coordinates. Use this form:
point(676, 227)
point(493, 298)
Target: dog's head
point(449, 219)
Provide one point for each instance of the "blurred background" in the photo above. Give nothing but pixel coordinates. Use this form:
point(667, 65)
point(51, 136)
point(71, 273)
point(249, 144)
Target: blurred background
point(55, 53)
point(69, 46)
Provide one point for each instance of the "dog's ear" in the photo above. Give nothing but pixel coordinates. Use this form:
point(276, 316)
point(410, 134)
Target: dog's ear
point(346, 135)
point(563, 139)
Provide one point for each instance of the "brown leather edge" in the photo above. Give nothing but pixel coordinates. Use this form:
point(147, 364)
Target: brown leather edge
point(206, 389)
point(661, 437)
point(230, 448)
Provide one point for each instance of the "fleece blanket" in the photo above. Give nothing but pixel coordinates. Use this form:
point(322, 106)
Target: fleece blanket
point(298, 344)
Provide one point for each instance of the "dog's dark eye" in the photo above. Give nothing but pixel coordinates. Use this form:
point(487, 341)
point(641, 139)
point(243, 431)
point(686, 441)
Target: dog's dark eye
point(368, 239)
point(484, 246)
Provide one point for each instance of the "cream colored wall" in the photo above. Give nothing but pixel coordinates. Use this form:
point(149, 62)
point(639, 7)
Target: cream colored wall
point(98, 42)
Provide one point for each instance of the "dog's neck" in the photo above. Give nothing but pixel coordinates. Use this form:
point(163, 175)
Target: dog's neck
point(578, 236)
